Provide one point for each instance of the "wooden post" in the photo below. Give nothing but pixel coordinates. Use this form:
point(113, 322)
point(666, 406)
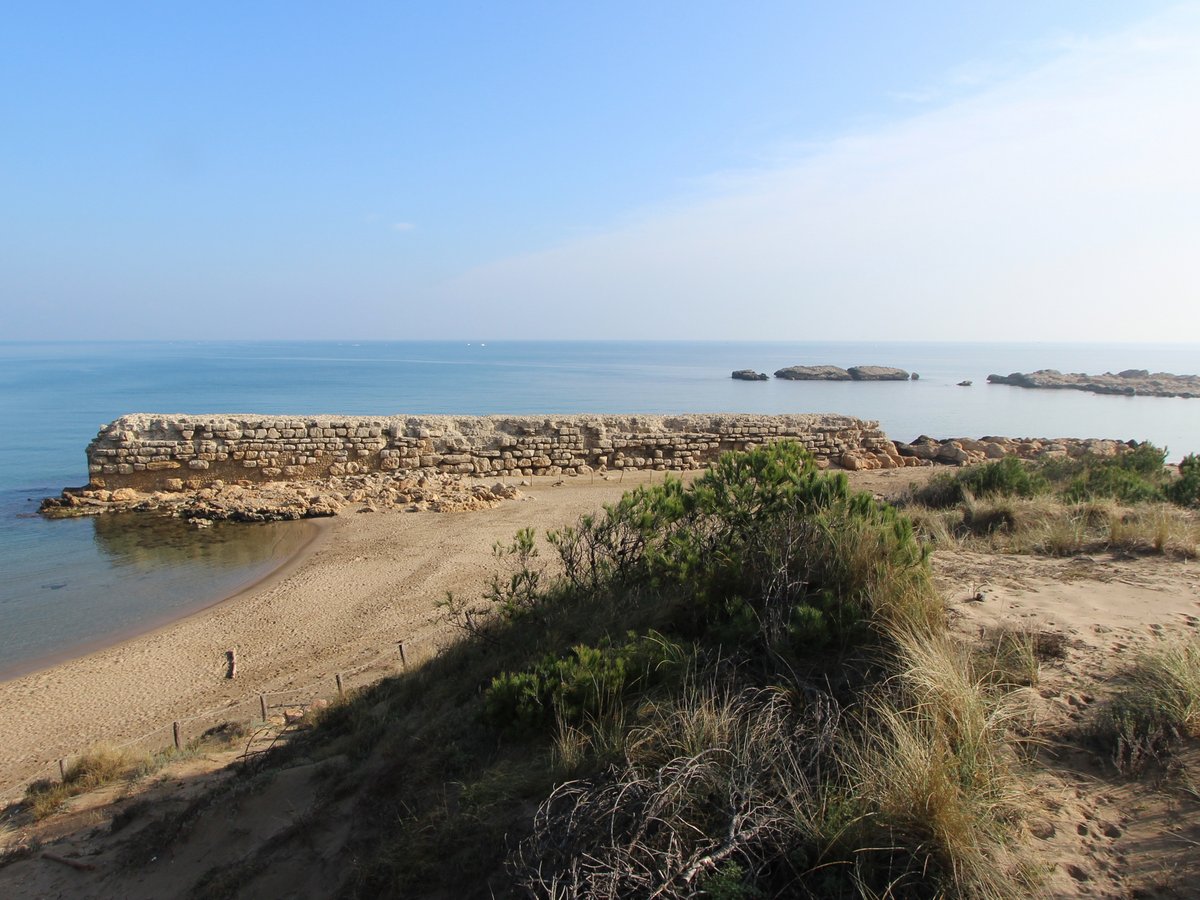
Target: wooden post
point(175, 733)
point(231, 664)
point(62, 768)
point(341, 689)
point(403, 658)
point(262, 705)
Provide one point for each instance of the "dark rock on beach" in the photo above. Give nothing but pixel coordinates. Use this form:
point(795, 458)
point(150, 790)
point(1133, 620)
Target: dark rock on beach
point(750, 375)
point(1130, 382)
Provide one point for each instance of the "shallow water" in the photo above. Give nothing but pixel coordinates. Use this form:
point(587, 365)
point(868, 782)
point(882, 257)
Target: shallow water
point(72, 583)
point(65, 583)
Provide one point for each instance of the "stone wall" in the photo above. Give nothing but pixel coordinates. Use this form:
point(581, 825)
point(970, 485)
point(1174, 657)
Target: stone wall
point(150, 452)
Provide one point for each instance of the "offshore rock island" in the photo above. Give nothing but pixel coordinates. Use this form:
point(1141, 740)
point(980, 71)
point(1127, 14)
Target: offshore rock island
point(1130, 382)
point(836, 373)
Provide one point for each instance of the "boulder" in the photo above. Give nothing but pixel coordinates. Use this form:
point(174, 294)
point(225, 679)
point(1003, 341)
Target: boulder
point(877, 373)
point(953, 454)
point(749, 375)
point(920, 449)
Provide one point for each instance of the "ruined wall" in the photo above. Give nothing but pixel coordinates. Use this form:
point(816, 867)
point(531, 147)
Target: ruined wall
point(153, 451)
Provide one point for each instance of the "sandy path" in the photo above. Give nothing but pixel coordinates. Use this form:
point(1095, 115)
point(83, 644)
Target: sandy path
point(372, 581)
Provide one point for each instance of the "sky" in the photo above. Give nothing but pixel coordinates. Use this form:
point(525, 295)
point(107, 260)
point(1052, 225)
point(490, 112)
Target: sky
point(646, 170)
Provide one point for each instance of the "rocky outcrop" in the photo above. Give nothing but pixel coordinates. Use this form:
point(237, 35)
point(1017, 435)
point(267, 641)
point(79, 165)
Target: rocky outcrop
point(750, 375)
point(156, 452)
point(835, 373)
point(285, 501)
point(966, 451)
point(813, 373)
point(1130, 382)
point(877, 373)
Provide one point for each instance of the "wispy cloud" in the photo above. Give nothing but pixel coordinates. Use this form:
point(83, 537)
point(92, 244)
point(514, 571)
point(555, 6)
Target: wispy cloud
point(1057, 202)
point(403, 226)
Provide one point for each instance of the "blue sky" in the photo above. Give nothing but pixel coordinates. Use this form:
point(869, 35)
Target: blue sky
point(623, 170)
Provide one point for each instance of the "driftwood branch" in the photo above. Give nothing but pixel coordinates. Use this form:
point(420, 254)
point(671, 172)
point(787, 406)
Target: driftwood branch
point(76, 864)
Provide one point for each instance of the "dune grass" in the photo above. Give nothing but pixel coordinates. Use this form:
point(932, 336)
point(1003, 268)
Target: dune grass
point(1049, 526)
point(1158, 705)
point(104, 764)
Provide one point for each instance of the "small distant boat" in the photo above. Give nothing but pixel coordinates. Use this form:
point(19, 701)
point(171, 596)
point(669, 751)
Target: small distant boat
point(964, 383)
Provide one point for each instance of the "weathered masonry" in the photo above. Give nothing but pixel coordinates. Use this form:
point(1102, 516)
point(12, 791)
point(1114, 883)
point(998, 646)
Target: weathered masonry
point(155, 451)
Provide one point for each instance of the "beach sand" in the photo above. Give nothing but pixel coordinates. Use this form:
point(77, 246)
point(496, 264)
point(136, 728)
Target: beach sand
point(368, 581)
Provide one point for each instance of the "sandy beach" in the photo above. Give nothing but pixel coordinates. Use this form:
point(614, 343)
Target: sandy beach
point(368, 581)
point(371, 579)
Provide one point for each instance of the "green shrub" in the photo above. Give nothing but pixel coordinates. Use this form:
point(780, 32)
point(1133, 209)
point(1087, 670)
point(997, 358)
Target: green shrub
point(763, 547)
point(1008, 477)
point(1185, 490)
point(585, 682)
point(1133, 477)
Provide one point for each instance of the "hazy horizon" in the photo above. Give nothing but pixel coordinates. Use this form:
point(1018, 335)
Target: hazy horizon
point(1010, 172)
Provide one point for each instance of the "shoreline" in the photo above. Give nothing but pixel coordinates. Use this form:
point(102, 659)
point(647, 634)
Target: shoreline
point(365, 581)
point(318, 528)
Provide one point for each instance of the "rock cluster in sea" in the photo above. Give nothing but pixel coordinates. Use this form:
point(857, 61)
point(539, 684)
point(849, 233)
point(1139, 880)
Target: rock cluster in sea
point(836, 373)
point(247, 501)
point(750, 375)
point(1130, 382)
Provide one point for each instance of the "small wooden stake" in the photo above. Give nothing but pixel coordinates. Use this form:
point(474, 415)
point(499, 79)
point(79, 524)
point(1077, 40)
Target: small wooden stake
point(338, 679)
point(262, 705)
point(175, 732)
point(403, 658)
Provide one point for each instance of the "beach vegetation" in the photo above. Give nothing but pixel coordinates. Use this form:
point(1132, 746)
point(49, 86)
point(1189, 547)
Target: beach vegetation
point(1065, 506)
point(1185, 490)
point(1008, 477)
point(738, 687)
point(104, 764)
point(1156, 707)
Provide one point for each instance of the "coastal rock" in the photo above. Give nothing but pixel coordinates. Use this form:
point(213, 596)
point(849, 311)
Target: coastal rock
point(282, 501)
point(813, 373)
point(1129, 382)
point(877, 373)
point(749, 375)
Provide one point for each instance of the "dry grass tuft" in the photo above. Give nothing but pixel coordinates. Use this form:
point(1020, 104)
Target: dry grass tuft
point(1052, 527)
point(1159, 705)
point(98, 766)
point(936, 766)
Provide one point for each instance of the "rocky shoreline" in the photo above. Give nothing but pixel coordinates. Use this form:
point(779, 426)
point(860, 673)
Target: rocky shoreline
point(282, 501)
point(1130, 382)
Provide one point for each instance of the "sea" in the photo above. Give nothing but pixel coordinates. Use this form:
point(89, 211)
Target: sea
point(70, 585)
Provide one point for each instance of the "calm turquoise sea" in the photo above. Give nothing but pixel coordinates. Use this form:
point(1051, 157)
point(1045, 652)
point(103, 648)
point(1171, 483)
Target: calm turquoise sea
point(66, 584)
